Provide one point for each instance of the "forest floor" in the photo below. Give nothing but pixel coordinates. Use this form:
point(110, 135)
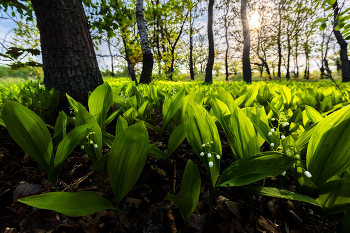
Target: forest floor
point(145, 209)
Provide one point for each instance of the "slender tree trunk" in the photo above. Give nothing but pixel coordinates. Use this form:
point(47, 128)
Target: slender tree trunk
point(210, 64)
point(146, 49)
point(130, 66)
point(191, 48)
point(279, 43)
point(70, 64)
point(247, 70)
point(110, 53)
point(288, 57)
point(296, 55)
point(343, 46)
point(227, 47)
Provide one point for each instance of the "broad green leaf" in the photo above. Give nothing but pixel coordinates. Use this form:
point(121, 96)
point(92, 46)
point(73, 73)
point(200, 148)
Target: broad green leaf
point(196, 96)
point(70, 141)
point(303, 141)
point(281, 193)
point(160, 131)
point(60, 127)
point(190, 187)
point(331, 2)
point(2, 122)
point(328, 153)
point(176, 138)
point(121, 125)
point(226, 98)
point(130, 115)
point(287, 95)
point(200, 129)
point(313, 115)
point(100, 165)
point(107, 139)
point(175, 105)
point(75, 105)
point(254, 168)
point(30, 132)
point(335, 196)
point(70, 204)
point(113, 115)
point(127, 159)
point(84, 117)
point(142, 110)
point(99, 103)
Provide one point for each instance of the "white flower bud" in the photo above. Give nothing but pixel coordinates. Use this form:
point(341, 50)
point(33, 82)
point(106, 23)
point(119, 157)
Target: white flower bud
point(269, 133)
point(283, 137)
point(218, 156)
point(73, 118)
point(272, 130)
point(283, 173)
point(203, 145)
point(211, 164)
point(95, 146)
point(91, 142)
point(272, 144)
point(82, 147)
point(297, 156)
point(287, 123)
point(209, 155)
point(201, 154)
point(308, 174)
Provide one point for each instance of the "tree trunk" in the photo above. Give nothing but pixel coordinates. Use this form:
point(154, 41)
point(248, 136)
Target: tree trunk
point(227, 48)
point(146, 49)
point(110, 53)
point(191, 47)
point(343, 46)
point(210, 64)
point(70, 64)
point(247, 71)
point(288, 57)
point(130, 66)
point(279, 43)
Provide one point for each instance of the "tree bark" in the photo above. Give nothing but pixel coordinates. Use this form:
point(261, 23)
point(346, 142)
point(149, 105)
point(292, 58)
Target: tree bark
point(279, 43)
point(227, 48)
point(210, 64)
point(288, 57)
point(247, 70)
point(146, 49)
point(343, 46)
point(110, 53)
point(70, 64)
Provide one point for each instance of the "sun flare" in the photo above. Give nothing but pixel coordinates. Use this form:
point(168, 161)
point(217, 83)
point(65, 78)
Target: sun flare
point(254, 21)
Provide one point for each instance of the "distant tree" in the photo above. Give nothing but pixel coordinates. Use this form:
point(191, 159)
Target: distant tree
point(210, 64)
point(146, 49)
point(247, 70)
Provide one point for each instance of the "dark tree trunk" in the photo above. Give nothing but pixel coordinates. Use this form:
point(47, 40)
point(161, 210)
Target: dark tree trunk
point(70, 64)
point(210, 64)
point(343, 46)
point(247, 70)
point(288, 58)
point(147, 59)
point(296, 55)
point(279, 43)
point(227, 48)
point(110, 53)
point(130, 66)
point(191, 48)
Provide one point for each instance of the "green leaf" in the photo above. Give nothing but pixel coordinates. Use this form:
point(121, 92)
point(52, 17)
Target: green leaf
point(99, 103)
point(84, 117)
point(331, 2)
point(121, 125)
point(313, 114)
point(2, 122)
point(155, 152)
point(70, 141)
point(60, 127)
point(281, 193)
point(142, 110)
point(328, 152)
point(335, 196)
point(70, 204)
point(30, 132)
point(127, 159)
point(200, 129)
point(254, 168)
point(190, 187)
point(130, 115)
point(176, 138)
point(113, 115)
point(176, 103)
point(75, 105)
point(100, 165)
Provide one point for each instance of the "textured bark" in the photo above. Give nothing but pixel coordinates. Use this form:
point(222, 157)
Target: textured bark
point(247, 70)
point(146, 49)
point(210, 64)
point(227, 47)
point(289, 48)
point(343, 46)
point(70, 64)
